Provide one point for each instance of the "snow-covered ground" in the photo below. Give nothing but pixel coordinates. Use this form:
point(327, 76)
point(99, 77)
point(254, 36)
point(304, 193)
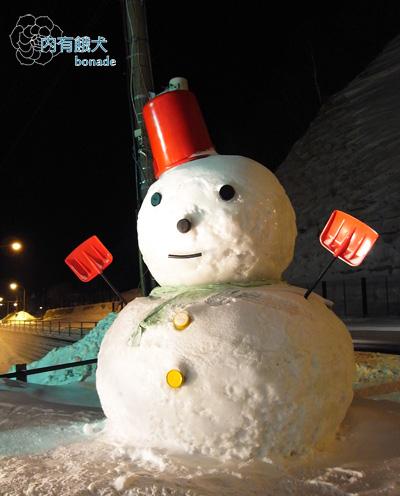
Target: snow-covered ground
point(51, 442)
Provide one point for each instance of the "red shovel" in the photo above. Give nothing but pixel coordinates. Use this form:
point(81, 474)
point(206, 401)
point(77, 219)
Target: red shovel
point(346, 238)
point(89, 260)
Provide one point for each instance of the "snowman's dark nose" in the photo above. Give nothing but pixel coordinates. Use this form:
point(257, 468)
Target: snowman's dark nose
point(184, 225)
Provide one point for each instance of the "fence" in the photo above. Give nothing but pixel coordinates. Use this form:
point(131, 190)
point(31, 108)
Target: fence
point(21, 372)
point(79, 298)
point(375, 296)
point(71, 331)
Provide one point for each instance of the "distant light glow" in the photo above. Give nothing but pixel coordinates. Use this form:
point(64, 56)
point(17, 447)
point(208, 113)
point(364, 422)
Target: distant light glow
point(16, 246)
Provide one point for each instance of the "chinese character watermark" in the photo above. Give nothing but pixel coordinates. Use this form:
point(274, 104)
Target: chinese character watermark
point(38, 40)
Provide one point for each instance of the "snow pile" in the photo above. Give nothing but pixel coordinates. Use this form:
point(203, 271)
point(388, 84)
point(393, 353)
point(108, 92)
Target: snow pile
point(378, 376)
point(18, 316)
point(84, 349)
point(377, 368)
point(348, 160)
point(81, 313)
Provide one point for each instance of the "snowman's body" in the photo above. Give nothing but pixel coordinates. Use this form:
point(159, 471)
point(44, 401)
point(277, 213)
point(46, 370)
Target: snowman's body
point(266, 371)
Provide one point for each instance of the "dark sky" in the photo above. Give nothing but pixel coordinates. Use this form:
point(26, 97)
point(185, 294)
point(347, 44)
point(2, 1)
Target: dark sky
point(260, 71)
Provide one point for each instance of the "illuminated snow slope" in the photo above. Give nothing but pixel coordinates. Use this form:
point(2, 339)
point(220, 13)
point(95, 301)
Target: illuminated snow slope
point(349, 160)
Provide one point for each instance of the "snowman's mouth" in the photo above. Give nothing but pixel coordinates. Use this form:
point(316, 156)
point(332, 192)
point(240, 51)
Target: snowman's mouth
point(192, 255)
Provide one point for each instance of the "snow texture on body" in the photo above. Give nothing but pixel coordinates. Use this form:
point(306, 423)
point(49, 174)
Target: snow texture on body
point(266, 371)
point(246, 238)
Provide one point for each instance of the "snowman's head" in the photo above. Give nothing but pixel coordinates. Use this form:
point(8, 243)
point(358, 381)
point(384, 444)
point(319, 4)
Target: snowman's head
point(216, 219)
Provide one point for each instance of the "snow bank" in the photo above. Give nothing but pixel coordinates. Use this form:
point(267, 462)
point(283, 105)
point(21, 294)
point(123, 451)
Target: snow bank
point(348, 160)
point(81, 313)
point(84, 349)
point(18, 316)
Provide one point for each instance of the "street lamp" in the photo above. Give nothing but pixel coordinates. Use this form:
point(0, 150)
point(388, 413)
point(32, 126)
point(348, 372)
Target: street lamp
point(14, 286)
point(16, 246)
point(1, 303)
point(4, 300)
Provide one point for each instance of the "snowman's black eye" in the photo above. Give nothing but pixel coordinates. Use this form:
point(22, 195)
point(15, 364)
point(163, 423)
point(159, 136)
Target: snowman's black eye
point(156, 199)
point(227, 192)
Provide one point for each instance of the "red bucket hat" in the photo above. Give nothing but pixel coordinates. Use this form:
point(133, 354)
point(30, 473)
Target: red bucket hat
point(176, 130)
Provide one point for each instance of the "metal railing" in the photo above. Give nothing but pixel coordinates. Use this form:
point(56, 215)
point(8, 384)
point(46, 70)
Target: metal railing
point(374, 296)
point(21, 372)
point(73, 330)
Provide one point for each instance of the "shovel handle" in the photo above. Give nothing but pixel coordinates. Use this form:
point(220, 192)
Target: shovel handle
point(120, 297)
point(307, 294)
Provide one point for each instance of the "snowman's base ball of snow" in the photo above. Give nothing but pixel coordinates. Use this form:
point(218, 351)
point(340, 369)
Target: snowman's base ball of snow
point(266, 372)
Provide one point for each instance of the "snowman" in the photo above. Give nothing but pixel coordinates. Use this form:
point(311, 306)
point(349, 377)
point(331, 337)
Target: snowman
point(224, 359)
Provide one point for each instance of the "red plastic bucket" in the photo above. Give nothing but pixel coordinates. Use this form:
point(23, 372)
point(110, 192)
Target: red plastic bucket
point(176, 129)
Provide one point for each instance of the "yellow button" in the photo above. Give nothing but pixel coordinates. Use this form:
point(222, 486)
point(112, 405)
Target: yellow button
point(175, 378)
point(181, 320)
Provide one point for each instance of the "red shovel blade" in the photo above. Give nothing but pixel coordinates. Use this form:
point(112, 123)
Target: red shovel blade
point(347, 238)
point(89, 259)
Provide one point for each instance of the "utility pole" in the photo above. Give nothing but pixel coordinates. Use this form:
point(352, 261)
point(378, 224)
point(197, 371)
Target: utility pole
point(140, 89)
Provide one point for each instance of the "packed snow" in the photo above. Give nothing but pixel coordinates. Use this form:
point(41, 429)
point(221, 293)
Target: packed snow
point(348, 160)
point(18, 317)
point(87, 349)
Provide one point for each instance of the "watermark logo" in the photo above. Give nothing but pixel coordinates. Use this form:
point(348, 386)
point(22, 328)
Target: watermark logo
point(27, 39)
point(38, 40)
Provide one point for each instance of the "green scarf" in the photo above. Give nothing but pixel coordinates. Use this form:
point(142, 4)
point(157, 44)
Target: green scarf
point(181, 296)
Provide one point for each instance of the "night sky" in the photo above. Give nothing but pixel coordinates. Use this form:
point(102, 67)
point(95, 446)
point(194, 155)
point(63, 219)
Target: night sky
point(260, 71)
